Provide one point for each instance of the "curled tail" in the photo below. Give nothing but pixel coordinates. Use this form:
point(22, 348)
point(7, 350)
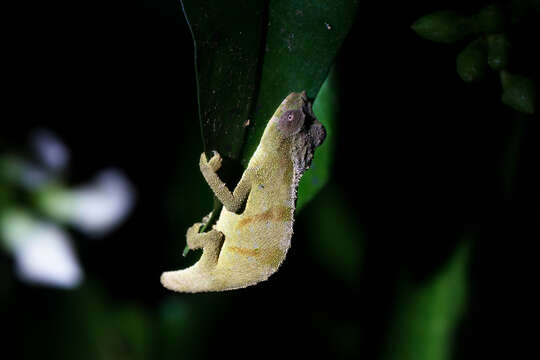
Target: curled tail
point(197, 278)
point(193, 279)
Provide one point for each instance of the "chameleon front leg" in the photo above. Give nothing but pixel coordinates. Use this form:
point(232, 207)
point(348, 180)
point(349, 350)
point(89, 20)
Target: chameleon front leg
point(232, 201)
point(210, 242)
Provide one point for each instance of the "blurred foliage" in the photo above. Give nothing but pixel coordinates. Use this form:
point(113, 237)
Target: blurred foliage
point(336, 240)
point(443, 26)
point(470, 62)
point(495, 27)
point(428, 312)
point(519, 92)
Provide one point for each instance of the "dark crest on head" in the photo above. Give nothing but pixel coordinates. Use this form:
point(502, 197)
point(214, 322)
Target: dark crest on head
point(307, 133)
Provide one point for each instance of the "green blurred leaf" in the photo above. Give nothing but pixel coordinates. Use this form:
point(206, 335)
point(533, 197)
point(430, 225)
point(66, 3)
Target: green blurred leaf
point(471, 63)
point(180, 323)
point(443, 26)
point(92, 325)
point(497, 51)
point(519, 92)
point(448, 26)
point(489, 19)
point(186, 323)
point(428, 314)
point(335, 237)
point(130, 334)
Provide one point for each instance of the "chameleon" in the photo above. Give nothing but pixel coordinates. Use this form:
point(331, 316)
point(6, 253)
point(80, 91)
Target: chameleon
point(253, 233)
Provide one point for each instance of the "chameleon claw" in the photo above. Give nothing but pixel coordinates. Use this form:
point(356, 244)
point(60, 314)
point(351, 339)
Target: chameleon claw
point(215, 162)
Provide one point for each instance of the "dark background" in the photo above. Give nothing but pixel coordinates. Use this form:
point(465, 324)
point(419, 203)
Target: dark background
point(422, 159)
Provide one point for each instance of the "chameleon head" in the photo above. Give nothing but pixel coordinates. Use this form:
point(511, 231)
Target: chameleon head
point(297, 122)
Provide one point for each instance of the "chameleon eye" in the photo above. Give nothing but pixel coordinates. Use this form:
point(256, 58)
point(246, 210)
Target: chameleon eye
point(291, 122)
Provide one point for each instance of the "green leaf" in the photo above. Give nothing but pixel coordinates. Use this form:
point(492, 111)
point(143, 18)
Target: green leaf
point(228, 42)
point(251, 55)
point(471, 63)
point(443, 26)
point(302, 40)
point(519, 92)
point(427, 314)
point(98, 328)
point(489, 20)
point(497, 51)
point(343, 258)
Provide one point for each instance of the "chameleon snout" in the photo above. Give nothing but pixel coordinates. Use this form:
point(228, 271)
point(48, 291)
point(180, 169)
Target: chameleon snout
point(317, 132)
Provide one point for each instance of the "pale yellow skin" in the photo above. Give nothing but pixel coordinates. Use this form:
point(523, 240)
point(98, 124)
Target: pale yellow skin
point(244, 249)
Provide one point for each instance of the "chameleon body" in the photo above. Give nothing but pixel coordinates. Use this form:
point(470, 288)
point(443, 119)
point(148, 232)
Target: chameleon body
point(253, 233)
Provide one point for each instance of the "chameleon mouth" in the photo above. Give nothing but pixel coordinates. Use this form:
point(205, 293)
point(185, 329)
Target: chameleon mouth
point(305, 142)
point(317, 133)
point(313, 127)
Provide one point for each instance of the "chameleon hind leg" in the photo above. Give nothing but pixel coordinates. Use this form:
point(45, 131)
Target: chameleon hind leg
point(211, 243)
point(197, 278)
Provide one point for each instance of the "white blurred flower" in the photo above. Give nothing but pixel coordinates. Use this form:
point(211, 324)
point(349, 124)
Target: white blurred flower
point(42, 251)
point(50, 150)
point(100, 206)
point(95, 208)
point(52, 156)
